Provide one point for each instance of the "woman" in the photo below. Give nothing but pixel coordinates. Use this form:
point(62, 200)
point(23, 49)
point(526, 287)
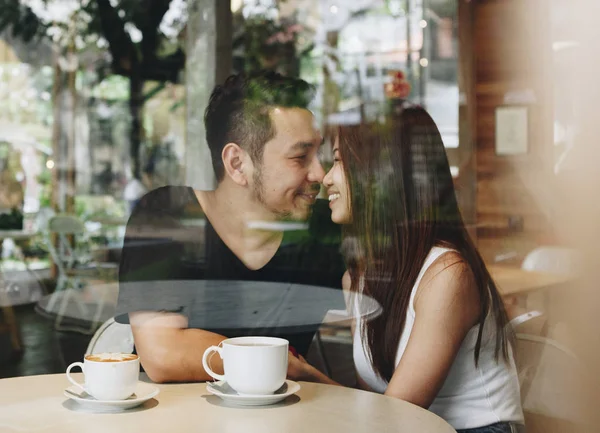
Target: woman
point(441, 341)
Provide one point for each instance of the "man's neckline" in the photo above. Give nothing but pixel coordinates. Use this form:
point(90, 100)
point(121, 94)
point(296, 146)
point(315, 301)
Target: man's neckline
point(224, 241)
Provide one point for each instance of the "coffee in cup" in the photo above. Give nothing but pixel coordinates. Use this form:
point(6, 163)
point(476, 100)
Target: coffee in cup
point(111, 357)
point(108, 376)
point(252, 365)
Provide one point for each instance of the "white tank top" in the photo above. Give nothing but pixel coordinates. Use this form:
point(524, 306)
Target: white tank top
point(471, 396)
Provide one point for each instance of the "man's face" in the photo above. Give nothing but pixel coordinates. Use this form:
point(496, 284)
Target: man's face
point(287, 181)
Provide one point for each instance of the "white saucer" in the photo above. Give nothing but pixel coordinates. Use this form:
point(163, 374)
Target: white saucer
point(223, 390)
point(144, 392)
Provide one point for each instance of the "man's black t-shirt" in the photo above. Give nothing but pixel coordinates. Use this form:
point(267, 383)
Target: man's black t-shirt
point(173, 260)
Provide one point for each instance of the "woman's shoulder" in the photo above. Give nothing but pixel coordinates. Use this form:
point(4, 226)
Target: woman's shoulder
point(448, 281)
point(346, 281)
point(444, 265)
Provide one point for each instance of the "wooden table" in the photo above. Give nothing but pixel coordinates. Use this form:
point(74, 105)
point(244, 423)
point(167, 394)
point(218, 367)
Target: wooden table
point(36, 403)
point(513, 281)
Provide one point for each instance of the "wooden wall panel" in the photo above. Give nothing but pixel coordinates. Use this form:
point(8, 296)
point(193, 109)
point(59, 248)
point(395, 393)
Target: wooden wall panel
point(511, 52)
point(464, 156)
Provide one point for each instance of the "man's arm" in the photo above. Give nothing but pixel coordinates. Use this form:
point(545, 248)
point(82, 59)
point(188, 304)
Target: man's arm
point(152, 255)
point(169, 351)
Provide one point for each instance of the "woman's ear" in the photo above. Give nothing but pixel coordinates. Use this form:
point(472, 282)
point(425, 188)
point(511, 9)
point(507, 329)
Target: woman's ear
point(234, 161)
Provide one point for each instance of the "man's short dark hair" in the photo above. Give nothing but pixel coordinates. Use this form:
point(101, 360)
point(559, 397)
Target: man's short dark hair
point(238, 112)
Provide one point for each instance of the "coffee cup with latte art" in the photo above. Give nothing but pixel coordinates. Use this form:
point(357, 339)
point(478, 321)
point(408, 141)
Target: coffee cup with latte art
point(108, 376)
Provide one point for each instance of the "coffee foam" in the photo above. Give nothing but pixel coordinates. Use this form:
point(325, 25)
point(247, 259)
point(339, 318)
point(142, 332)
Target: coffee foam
point(111, 357)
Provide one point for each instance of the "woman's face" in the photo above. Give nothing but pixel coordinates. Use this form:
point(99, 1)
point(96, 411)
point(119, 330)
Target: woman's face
point(337, 189)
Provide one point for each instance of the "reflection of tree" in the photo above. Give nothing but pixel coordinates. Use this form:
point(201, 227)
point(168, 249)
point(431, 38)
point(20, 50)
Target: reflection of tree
point(332, 64)
point(103, 181)
point(268, 43)
point(11, 189)
point(161, 167)
point(139, 49)
point(108, 122)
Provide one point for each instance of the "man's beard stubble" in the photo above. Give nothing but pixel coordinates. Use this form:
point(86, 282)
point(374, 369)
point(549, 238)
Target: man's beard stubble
point(259, 195)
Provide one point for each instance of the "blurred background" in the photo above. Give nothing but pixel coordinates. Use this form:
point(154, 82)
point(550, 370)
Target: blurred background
point(102, 100)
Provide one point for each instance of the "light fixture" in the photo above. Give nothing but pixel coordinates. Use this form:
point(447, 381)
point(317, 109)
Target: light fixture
point(423, 24)
point(424, 62)
point(49, 164)
point(333, 9)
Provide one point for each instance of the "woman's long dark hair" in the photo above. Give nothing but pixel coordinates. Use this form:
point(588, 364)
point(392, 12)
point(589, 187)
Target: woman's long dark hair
point(403, 204)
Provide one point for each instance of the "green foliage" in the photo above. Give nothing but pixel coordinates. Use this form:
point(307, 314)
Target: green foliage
point(268, 44)
point(45, 181)
point(21, 20)
point(94, 24)
point(112, 88)
point(12, 220)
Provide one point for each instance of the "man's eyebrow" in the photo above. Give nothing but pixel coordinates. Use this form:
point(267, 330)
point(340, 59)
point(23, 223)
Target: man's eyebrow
point(302, 145)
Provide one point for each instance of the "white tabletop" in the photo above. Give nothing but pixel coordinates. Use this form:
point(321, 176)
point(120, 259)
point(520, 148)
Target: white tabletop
point(17, 234)
point(37, 404)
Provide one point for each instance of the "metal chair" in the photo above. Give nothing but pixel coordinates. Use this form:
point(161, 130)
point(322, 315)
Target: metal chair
point(552, 259)
point(111, 337)
point(550, 378)
point(74, 270)
point(531, 322)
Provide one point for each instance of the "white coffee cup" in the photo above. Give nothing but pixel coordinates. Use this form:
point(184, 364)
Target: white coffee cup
point(108, 376)
point(252, 365)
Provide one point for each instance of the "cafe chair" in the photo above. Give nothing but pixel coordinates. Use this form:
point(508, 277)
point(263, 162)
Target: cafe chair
point(530, 322)
point(550, 377)
point(111, 337)
point(552, 259)
point(335, 331)
point(71, 256)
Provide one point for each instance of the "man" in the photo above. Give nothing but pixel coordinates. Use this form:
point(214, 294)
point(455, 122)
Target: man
point(264, 150)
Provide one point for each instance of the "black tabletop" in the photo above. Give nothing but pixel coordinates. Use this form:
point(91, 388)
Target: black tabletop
point(221, 305)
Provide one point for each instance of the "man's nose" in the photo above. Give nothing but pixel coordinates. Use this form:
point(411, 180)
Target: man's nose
point(316, 173)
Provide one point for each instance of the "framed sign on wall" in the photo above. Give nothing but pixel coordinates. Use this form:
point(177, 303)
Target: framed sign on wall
point(511, 130)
